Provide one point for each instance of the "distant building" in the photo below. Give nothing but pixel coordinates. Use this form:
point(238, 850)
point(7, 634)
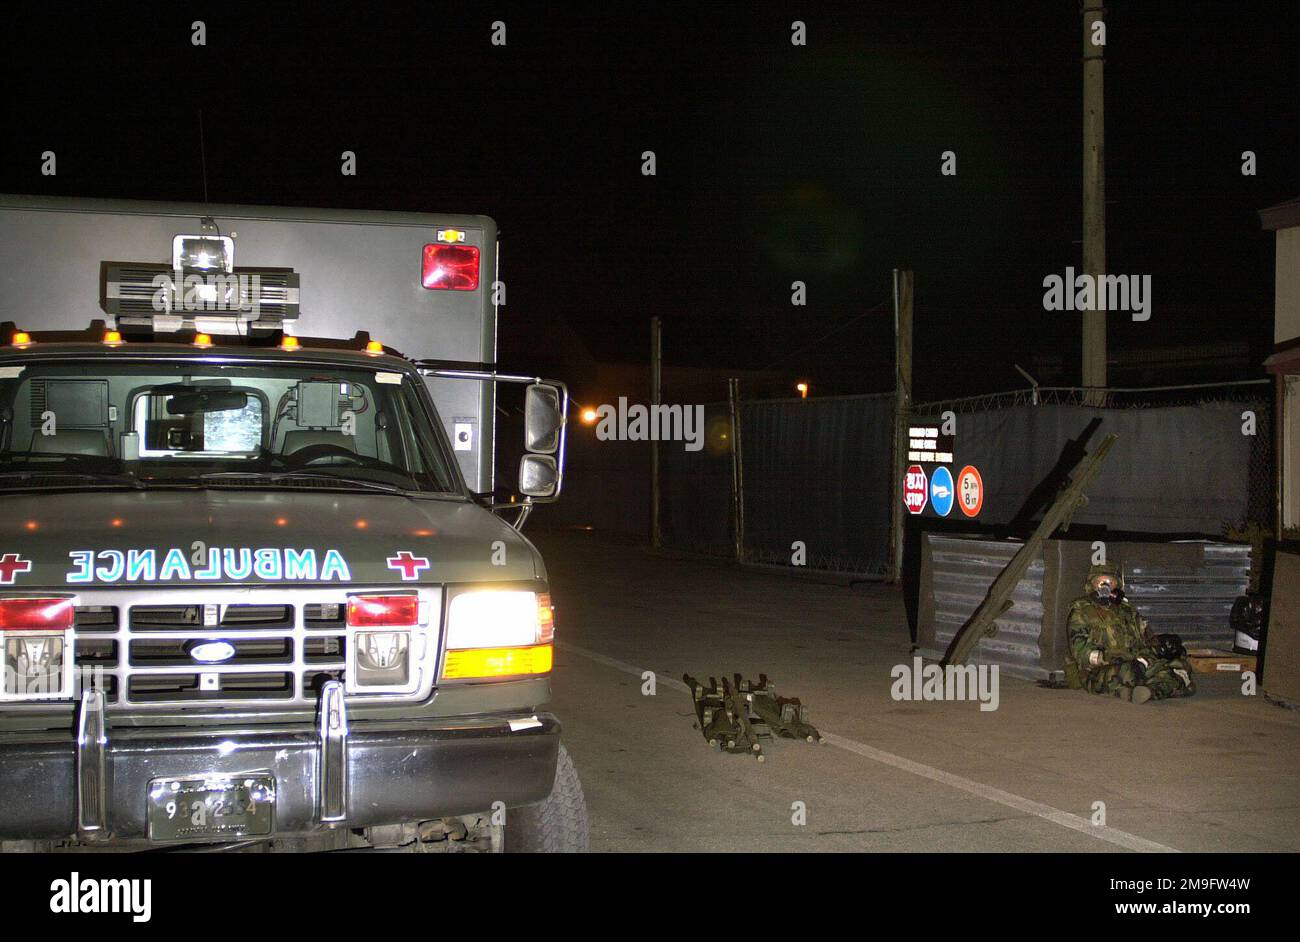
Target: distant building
point(1284, 364)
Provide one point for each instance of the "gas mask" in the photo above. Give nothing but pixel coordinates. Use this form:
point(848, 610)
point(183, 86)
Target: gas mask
point(1106, 594)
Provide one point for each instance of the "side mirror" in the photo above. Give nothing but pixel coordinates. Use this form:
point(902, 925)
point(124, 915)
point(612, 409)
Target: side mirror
point(543, 419)
point(539, 476)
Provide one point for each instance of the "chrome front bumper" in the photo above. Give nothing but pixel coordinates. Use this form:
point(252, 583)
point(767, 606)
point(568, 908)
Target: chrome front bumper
point(336, 773)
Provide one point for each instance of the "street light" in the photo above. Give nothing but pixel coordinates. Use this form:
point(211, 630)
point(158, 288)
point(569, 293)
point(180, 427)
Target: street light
point(803, 390)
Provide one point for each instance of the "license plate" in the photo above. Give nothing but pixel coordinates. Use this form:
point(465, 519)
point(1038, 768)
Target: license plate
point(223, 806)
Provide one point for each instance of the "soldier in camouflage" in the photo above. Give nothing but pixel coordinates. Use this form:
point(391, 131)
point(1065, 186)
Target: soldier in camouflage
point(1111, 647)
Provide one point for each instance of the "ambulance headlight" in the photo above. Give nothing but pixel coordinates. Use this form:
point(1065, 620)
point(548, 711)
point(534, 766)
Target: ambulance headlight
point(205, 253)
point(492, 618)
point(496, 633)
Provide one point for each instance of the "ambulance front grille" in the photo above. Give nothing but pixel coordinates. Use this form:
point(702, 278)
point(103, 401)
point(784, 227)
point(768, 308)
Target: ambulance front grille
point(137, 646)
point(233, 618)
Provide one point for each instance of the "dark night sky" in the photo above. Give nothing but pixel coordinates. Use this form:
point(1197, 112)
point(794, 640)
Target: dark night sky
point(775, 163)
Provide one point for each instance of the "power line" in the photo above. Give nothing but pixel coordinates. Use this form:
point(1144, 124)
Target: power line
point(834, 330)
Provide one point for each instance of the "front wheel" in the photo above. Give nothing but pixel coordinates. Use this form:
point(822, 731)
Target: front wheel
point(557, 825)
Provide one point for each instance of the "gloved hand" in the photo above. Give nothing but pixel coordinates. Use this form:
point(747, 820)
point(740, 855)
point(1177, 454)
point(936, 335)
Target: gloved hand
point(1131, 669)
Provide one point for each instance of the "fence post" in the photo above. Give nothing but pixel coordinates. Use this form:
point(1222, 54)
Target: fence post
point(902, 408)
point(737, 469)
point(656, 364)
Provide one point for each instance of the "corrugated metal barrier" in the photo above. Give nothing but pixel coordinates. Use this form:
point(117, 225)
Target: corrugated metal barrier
point(1185, 587)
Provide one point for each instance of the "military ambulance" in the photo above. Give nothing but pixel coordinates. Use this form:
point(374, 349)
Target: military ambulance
point(255, 588)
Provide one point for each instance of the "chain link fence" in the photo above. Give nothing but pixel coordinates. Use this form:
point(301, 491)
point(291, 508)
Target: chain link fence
point(696, 490)
point(816, 475)
point(817, 483)
point(1194, 460)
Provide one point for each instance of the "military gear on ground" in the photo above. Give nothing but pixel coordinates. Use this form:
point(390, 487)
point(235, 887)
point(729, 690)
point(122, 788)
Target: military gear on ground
point(1247, 619)
point(738, 707)
point(1114, 652)
point(735, 716)
point(1169, 647)
point(785, 716)
point(715, 711)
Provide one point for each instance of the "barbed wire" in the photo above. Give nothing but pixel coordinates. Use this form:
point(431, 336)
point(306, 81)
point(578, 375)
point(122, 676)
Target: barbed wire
point(1125, 398)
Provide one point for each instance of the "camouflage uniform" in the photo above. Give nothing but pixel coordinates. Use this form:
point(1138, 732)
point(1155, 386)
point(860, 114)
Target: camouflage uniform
point(1121, 636)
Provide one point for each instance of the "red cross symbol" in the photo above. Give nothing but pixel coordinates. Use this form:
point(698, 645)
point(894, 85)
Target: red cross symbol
point(11, 564)
point(410, 565)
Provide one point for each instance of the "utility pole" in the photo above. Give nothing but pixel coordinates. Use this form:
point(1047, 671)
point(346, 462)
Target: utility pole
point(1094, 196)
point(737, 469)
point(903, 286)
point(656, 369)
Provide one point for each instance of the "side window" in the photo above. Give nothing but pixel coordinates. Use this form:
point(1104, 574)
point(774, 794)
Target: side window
point(422, 453)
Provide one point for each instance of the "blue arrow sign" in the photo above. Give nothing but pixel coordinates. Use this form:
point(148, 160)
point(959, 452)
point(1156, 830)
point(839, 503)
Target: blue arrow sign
point(942, 491)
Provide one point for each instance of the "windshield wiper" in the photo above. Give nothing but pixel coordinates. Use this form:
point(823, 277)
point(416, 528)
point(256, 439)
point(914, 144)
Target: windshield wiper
point(278, 477)
point(90, 477)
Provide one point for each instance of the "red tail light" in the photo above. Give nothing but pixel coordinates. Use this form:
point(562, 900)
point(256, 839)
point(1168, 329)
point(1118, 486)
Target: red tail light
point(453, 267)
point(36, 614)
point(383, 611)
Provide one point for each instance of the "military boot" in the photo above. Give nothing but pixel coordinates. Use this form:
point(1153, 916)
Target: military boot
point(1138, 694)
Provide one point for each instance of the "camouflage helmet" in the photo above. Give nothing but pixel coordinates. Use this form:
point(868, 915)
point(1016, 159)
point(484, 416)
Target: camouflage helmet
point(1104, 569)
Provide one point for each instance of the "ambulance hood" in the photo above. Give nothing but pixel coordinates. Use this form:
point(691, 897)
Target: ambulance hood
point(111, 538)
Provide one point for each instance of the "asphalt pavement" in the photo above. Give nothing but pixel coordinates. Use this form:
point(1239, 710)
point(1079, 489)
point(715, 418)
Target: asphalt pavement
point(1047, 770)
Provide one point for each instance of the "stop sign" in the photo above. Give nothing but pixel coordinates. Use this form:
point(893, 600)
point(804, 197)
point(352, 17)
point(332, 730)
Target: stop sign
point(916, 489)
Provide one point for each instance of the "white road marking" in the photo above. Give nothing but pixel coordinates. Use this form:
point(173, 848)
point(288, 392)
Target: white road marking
point(1036, 808)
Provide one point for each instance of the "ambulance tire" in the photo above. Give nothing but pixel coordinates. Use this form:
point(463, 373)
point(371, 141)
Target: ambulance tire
point(557, 825)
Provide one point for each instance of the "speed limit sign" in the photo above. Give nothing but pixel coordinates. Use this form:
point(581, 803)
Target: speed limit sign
point(970, 491)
